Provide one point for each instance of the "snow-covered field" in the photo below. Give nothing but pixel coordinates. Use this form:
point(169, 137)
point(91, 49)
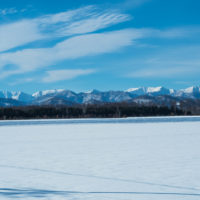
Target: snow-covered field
point(101, 161)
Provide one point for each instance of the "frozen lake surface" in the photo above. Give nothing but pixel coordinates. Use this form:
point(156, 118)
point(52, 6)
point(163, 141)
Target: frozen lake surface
point(101, 159)
point(101, 120)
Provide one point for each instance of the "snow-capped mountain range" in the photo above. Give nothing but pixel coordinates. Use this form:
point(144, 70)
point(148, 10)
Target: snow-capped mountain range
point(67, 97)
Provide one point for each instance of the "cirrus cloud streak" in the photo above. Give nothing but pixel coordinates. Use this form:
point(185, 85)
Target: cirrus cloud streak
point(66, 74)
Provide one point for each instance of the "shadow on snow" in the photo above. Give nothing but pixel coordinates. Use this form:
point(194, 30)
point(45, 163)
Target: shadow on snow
point(19, 193)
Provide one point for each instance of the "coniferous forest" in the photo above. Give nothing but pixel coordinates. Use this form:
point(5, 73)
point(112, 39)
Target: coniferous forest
point(109, 110)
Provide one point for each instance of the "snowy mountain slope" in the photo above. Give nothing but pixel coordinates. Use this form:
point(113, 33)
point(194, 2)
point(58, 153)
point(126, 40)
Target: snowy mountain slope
point(46, 92)
point(10, 102)
point(137, 91)
point(19, 96)
point(110, 96)
point(191, 92)
point(61, 96)
point(53, 101)
point(154, 91)
point(56, 96)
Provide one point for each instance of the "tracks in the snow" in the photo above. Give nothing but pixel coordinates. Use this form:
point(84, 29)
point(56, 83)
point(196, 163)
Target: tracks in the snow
point(104, 178)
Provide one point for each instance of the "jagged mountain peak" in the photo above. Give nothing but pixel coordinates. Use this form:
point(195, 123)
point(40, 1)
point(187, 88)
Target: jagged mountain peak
point(135, 89)
point(19, 96)
point(150, 90)
point(93, 91)
point(191, 89)
point(93, 96)
point(46, 92)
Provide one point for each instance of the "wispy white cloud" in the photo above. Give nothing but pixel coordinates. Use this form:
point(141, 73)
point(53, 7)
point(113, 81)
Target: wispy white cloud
point(67, 16)
point(13, 10)
point(170, 33)
point(75, 47)
point(18, 33)
point(172, 63)
point(78, 21)
point(8, 11)
point(160, 72)
point(60, 75)
point(22, 81)
point(94, 23)
point(31, 59)
point(26, 31)
point(80, 24)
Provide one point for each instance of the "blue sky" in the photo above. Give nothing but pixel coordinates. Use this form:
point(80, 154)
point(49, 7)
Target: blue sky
point(106, 45)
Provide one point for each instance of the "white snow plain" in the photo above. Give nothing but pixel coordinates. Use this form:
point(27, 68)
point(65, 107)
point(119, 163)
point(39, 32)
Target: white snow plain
point(101, 161)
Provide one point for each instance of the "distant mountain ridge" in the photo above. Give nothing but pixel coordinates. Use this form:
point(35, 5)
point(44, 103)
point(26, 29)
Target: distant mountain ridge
point(68, 97)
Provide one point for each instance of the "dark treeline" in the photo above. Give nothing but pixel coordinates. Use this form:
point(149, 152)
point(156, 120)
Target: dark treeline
point(110, 110)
